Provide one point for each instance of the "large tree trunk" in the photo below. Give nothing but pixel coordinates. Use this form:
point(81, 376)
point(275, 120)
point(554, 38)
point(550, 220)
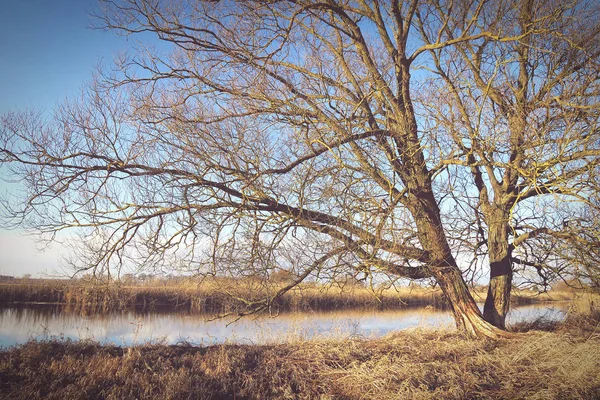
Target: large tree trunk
point(467, 315)
point(497, 302)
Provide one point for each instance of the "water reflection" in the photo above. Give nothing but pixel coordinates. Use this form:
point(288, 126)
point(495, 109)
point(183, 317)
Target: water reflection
point(17, 325)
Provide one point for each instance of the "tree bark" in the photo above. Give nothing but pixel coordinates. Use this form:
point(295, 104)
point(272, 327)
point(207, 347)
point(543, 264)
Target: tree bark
point(467, 315)
point(497, 302)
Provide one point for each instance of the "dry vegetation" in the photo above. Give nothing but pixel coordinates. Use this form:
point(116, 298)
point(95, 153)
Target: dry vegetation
point(215, 297)
point(558, 364)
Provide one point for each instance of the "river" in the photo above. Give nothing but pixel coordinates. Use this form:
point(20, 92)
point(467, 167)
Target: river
point(19, 324)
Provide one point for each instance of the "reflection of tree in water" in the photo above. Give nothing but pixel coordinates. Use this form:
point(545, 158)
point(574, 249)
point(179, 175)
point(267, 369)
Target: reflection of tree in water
point(31, 314)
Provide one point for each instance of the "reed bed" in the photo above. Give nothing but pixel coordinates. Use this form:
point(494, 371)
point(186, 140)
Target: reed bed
point(220, 296)
point(418, 364)
point(211, 297)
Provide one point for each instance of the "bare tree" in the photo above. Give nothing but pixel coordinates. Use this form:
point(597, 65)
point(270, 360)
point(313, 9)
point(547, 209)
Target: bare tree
point(569, 254)
point(521, 107)
point(277, 134)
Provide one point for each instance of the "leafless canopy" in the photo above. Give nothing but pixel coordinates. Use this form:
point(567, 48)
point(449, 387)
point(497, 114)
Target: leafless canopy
point(284, 134)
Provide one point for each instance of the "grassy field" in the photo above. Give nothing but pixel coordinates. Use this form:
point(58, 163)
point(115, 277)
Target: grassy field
point(224, 296)
point(559, 363)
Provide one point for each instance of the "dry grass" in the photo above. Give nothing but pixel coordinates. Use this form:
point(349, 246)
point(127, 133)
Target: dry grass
point(419, 364)
point(222, 296)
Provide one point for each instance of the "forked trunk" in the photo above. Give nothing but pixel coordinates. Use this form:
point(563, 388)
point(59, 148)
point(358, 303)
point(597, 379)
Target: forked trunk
point(467, 315)
point(469, 319)
point(497, 302)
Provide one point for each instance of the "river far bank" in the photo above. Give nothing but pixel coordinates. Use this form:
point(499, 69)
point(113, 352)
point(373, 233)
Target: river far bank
point(231, 295)
point(543, 360)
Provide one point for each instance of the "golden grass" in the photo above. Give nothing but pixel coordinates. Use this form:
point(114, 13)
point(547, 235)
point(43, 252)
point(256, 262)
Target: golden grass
point(417, 364)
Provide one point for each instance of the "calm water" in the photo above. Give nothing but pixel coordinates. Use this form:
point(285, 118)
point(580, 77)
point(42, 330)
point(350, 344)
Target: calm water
point(18, 325)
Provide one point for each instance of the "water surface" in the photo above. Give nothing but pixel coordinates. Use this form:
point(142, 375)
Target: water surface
point(17, 325)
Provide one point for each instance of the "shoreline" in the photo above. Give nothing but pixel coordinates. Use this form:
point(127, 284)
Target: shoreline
point(544, 359)
point(560, 364)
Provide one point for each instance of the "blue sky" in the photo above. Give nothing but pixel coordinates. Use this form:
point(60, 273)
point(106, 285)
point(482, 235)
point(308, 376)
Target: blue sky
point(47, 52)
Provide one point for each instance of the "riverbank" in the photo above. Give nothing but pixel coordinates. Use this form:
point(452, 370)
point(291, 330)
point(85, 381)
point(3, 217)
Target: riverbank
point(559, 363)
point(224, 296)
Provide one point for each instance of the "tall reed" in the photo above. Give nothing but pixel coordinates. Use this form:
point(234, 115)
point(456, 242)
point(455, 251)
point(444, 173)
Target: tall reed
point(227, 295)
